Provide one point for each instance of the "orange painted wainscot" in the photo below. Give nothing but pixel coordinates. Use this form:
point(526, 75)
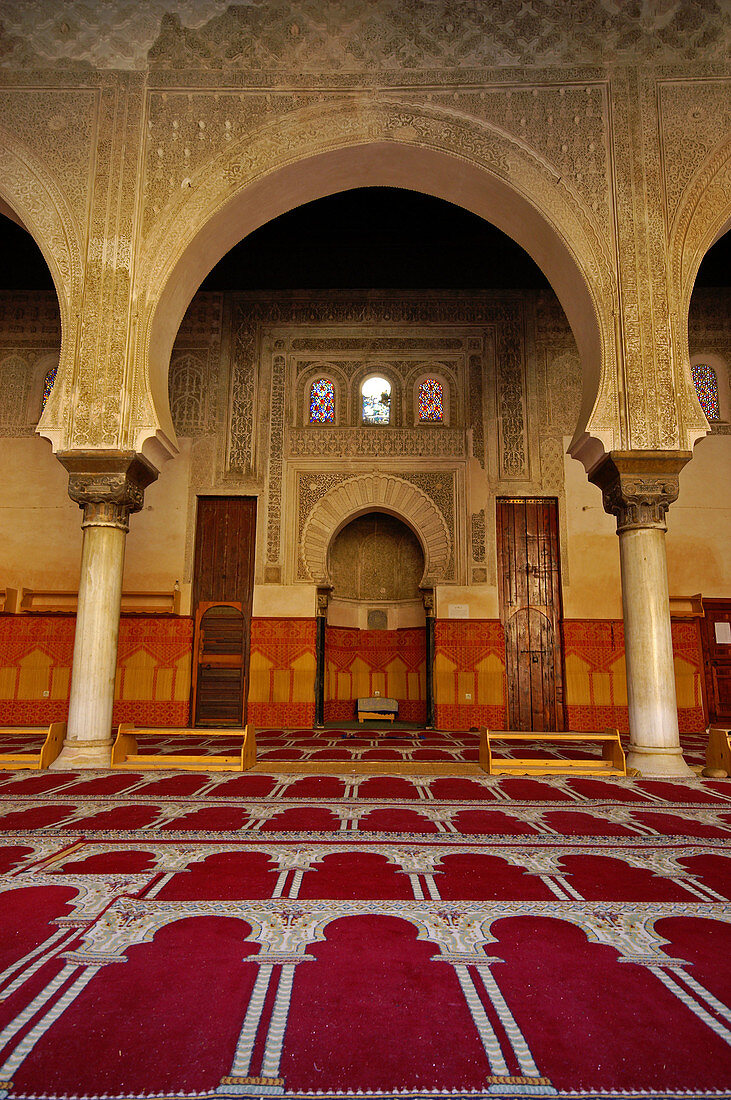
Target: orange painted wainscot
point(470, 659)
point(153, 669)
point(362, 663)
point(282, 673)
point(153, 675)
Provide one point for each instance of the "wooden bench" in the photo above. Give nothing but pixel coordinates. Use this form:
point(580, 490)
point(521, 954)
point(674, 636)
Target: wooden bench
point(38, 761)
point(612, 761)
point(125, 754)
point(718, 753)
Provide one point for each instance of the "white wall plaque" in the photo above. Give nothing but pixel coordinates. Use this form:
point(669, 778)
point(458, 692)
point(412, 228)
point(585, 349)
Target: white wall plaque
point(723, 633)
point(458, 610)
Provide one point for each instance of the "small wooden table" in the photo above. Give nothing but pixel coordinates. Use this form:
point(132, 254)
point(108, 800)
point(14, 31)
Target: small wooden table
point(376, 707)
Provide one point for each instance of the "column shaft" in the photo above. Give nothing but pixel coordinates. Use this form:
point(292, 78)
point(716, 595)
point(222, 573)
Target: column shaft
point(88, 736)
point(653, 713)
point(108, 486)
point(638, 487)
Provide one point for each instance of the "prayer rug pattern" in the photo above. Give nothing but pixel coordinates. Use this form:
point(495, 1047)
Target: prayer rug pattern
point(180, 935)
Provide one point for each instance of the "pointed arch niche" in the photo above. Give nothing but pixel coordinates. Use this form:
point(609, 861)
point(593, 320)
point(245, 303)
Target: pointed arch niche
point(375, 630)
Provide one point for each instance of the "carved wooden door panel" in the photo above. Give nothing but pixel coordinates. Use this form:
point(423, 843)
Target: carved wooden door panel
point(530, 609)
point(223, 582)
point(716, 633)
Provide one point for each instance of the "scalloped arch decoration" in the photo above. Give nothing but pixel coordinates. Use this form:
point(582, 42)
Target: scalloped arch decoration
point(376, 492)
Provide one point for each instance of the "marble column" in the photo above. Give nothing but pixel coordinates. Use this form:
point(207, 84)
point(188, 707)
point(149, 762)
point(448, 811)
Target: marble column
point(638, 487)
point(427, 595)
point(108, 487)
point(323, 598)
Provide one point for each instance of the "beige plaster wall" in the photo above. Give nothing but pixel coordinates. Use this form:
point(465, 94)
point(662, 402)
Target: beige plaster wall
point(40, 528)
point(155, 554)
point(481, 601)
point(590, 553)
point(699, 523)
point(284, 601)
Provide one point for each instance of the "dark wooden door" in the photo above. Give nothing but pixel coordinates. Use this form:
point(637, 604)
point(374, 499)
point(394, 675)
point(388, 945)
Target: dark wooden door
point(716, 634)
point(223, 583)
point(530, 609)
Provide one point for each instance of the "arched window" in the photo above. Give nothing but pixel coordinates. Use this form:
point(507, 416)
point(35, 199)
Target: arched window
point(322, 402)
point(376, 397)
point(431, 401)
point(48, 385)
point(706, 386)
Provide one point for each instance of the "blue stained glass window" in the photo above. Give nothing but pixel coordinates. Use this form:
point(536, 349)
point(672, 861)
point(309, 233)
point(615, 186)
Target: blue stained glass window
point(706, 386)
point(48, 385)
point(431, 400)
point(322, 402)
point(376, 394)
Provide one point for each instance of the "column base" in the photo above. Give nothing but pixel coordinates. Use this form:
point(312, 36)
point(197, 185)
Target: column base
point(658, 763)
point(82, 755)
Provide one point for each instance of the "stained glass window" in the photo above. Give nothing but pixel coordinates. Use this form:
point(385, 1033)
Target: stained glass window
point(322, 402)
point(431, 400)
point(48, 385)
point(376, 393)
point(706, 386)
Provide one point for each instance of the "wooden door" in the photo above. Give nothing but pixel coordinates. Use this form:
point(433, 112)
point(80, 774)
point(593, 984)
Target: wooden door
point(223, 582)
point(220, 648)
point(530, 609)
point(716, 634)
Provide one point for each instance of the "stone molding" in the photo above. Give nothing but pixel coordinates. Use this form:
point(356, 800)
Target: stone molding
point(638, 487)
point(109, 486)
point(374, 492)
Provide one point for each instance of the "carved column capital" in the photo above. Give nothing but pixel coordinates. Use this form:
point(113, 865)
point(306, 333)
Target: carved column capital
point(638, 487)
point(108, 485)
point(323, 599)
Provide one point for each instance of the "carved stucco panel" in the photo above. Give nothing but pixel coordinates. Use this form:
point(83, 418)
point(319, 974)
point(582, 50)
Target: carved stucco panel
point(111, 389)
point(58, 125)
point(692, 115)
point(565, 126)
point(184, 132)
point(705, 210)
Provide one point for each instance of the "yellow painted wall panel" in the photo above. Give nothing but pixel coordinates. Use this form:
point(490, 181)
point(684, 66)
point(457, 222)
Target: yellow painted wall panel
point(8, 680)
point(60, 682)
point(281, 685)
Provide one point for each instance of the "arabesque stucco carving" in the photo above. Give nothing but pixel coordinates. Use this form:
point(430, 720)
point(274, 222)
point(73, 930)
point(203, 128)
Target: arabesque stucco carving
point(128, 134)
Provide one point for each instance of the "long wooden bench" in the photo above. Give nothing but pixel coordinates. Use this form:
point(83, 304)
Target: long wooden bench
point(718, 753)
point(125, 754)
point(612, 760)
point(37, 761)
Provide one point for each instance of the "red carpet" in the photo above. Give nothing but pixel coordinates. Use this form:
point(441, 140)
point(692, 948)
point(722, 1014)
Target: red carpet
point(421, 935)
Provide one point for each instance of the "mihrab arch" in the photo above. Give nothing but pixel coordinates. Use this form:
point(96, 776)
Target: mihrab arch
point(317, 152)
point(376, 493)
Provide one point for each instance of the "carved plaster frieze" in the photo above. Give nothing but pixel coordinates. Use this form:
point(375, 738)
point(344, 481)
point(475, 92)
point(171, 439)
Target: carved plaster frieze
point(307, 37)
point(638, 487)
